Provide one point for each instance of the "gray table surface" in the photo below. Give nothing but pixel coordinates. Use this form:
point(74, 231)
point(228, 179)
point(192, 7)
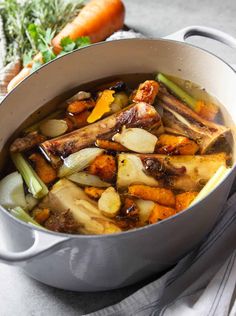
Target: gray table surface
point(20, 295)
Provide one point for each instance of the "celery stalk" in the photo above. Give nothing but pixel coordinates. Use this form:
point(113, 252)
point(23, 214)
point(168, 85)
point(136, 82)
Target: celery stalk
point(19, 213)
point(33, 182)
point(219, 175)
point(179, 92)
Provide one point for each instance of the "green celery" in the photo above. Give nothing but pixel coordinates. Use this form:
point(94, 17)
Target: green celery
point(179, 92)
point(33, 182)
point(19, 213)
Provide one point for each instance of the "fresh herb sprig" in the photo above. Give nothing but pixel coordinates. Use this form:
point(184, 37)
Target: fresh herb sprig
point(42, 41)
point(50, 16)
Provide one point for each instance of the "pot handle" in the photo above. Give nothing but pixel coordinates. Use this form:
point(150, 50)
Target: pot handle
point(204, 31)
point(43, 244)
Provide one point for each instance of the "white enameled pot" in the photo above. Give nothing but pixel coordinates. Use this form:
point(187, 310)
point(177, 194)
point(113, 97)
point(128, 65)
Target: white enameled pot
point(94, 263)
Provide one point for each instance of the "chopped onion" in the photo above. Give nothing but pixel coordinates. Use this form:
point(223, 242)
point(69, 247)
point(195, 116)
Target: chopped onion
point(12, 191)
point(79, 161)
point(137, 140)
point(87, 179)
point(109, 202)
point(53, 128)
point(79, 96)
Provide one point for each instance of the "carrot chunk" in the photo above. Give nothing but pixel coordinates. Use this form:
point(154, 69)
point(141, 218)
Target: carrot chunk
point(146, 92)
point(159, 195)
point(104, 166)
point(160, 212)
point(41, 215)
point(109, 145)
point(77, 107)
point(183, 200)
point(177, 145)
point(43, 169)
point(94, 193)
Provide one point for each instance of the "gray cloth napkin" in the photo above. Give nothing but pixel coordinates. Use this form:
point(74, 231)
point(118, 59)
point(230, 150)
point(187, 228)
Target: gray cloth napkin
point(201, 284)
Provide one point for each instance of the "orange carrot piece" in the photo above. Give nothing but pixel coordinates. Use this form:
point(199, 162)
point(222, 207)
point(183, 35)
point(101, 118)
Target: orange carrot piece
point(178, 145)
point(43, 169)
point(183, 200)
point(146, 92)
point(159, 195)
point(77, 107)
point(41, 215)
point(94, 193)
point(102, 106)
point(109, 145)
point(206, 110)
point(80, 120)
point(104, 166)
point(160, 212)
point(98, 20)
point(25, 72)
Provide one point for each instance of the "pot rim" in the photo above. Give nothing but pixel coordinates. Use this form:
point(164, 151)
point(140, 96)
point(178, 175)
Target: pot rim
point(135, 230)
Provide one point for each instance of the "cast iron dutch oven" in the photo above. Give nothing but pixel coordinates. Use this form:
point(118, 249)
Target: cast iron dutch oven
point(94, 263)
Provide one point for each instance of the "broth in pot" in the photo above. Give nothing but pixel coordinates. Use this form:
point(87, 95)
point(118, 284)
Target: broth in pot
point(119, 154)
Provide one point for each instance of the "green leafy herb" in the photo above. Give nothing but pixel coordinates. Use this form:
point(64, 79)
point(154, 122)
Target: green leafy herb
point(26, 23)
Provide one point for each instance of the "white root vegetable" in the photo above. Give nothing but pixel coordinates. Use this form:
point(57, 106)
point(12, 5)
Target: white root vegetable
point(109, 202)
point(12, 191)
point(145, 207)
point(131, 171)
point(67, 196)
point(78, 161)
point(84, 178)
point(53, 127)
point(137, 140)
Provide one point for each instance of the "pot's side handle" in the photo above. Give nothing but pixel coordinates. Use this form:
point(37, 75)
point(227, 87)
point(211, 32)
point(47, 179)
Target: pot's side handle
point(43, 244)
point(204, 31)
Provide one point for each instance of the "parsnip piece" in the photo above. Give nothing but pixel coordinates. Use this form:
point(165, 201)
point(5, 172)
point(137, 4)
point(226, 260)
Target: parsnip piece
point(109, 202)
point(131, 171)
point(65, 195)
point(136, 139)
point(186, 173)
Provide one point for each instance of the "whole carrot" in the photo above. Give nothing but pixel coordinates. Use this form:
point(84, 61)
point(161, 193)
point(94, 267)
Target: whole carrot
point(98, 20)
